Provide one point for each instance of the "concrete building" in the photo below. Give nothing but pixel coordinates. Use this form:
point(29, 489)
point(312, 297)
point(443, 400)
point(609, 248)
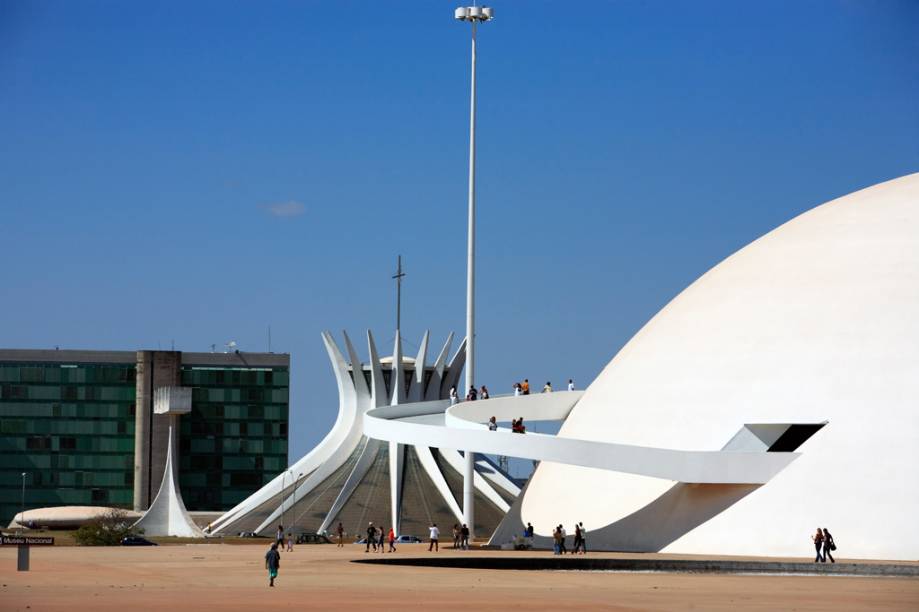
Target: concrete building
point(81, 425)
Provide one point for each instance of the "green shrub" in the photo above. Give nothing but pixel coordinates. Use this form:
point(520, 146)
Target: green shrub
point(106, 530)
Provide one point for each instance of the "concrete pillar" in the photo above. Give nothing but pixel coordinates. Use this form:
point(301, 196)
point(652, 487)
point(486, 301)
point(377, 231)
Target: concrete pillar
point(151, 431)
point(143, 414)
point(167, 372)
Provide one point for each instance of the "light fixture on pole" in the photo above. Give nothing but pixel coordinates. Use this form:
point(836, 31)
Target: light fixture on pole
point(474, 15)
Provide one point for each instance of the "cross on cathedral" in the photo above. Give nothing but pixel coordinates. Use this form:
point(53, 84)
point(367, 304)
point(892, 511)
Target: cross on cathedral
point(398, 276)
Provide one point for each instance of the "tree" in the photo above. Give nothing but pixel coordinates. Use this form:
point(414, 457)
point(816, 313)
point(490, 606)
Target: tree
point(106, 530)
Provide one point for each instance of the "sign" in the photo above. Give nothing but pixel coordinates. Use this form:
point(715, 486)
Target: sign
point(9, 540)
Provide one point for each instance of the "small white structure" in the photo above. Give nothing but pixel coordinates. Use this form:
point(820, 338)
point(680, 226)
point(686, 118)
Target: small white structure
point(167, 515)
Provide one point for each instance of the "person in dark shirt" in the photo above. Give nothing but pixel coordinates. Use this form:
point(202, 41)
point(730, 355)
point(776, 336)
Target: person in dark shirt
point(272, 563)
point(371, 537)
point(464, 542)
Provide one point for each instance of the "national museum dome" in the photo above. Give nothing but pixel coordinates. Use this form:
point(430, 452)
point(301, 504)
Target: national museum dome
point(816, 321)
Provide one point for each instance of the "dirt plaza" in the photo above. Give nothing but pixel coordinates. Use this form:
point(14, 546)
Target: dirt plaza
point(323, 577)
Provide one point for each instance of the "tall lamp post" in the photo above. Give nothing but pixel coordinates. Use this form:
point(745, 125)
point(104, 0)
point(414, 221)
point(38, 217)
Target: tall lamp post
point(284, 495)
point(474, 15)
point(22, 511)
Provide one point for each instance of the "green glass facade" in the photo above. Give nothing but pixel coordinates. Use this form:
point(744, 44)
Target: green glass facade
point(235, 438)
point(70, 427)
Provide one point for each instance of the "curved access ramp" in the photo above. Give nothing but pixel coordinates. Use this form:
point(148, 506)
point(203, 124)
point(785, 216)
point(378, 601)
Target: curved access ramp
point(462, 427)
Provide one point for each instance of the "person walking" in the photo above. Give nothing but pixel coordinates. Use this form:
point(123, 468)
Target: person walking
point(818, 544)
point(547, 388)
point(382, 540)
point(456, 536)
point(290, 543)
point(453, 396)
point(279, 536)
point(583, 538)
point(371, 537)
point(561, 531)
point(525, 387)
point(272, 563)
point(570, 385)
point(435, 536)
point(464, 541)
point(392, 540)
point(492, 424)
point(341, 535)
point(528, 532)
point(557, 537)
point(828, 545)
point(577, 538)
point(483, 393)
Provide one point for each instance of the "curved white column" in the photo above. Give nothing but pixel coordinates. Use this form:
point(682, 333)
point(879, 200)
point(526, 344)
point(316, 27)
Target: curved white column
point(167, 515)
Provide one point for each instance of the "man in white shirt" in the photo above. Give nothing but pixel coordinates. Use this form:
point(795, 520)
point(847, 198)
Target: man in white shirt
point(570, 385)
point(435, 535)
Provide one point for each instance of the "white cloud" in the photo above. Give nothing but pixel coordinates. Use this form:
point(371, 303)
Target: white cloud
point(285, 209)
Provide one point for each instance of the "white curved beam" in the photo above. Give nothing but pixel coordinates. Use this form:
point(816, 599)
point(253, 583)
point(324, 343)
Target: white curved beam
point(668, 464)
point(377, 383)
point(432, 392)
point(357, 372)
point(341, 435)
point(457, 462)
point(427, 461)
point(354, 478)
point(416, 391)
point(397, 373)
point(451, 377)
point(488, 469)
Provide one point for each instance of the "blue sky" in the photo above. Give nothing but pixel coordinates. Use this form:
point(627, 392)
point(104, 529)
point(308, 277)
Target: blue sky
point(196, 172)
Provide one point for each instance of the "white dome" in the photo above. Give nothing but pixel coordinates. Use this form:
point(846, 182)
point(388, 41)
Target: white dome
point(817, 320)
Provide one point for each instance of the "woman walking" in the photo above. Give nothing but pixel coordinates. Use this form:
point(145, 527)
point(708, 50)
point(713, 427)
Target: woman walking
point(272, 563)
point(828, 545)
point(392, 540)
point(818, 544)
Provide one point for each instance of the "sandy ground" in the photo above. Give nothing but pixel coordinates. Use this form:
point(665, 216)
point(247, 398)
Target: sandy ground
point(215, 576)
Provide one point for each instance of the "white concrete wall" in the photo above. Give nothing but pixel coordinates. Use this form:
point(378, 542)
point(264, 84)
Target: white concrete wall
point(817, 320)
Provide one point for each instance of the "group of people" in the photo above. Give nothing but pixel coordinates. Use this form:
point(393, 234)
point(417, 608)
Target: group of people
point(471, 396)
point(519, 389)
point(559, 535)
point(460, 536)
point(273, 556)
point(823, 542)
point(280, 539)
point(524, 387)
point(377, 538)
